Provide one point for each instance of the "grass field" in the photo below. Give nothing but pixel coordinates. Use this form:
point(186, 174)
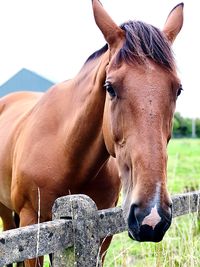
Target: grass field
point(181, 244)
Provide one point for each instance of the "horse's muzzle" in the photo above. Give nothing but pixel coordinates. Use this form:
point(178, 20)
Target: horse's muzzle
point(149, 225)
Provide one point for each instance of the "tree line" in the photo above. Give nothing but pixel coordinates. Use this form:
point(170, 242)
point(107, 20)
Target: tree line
point(185, 127)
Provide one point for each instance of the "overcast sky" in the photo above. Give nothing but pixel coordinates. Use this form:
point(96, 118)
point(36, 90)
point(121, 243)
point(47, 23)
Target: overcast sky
point(55, 37)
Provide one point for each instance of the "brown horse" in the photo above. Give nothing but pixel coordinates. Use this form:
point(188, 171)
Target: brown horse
point(114, 118)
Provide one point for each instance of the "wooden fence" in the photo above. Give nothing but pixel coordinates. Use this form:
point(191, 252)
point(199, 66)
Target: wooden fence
point(75, 232)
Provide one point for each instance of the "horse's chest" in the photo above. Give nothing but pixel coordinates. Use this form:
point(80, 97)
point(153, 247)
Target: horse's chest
point(5, 191)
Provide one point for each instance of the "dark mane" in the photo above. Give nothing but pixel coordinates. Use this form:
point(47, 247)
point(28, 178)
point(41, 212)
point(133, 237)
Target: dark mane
point(98, 53)
point(142, 41)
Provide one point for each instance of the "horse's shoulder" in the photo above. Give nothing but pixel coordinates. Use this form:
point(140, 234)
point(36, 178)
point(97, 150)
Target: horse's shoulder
point(18, 98)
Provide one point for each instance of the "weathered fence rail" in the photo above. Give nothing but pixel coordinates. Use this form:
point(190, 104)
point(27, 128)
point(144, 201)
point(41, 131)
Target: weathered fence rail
point(76, 224)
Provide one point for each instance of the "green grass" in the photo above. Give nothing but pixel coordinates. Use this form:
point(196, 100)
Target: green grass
point(183, 165)
point(180, 247)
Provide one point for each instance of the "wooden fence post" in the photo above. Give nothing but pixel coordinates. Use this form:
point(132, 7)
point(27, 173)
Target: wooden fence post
point(83, 213)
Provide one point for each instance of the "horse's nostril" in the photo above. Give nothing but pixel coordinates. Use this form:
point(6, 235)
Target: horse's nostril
point(149, 224)
point(168, 204)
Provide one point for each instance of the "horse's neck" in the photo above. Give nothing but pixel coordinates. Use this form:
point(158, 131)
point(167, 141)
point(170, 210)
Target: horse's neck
point(84, 129)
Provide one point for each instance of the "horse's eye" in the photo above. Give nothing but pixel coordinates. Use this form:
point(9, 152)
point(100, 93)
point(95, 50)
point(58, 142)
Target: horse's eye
point(110, 89)
point(180, 89)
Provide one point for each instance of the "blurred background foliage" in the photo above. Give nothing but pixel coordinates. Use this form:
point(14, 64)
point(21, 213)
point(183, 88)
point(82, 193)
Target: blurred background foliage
point(185, 127)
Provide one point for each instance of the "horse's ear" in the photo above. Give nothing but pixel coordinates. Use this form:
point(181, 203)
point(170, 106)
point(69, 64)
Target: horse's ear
point(174, 22)
point(111, 31)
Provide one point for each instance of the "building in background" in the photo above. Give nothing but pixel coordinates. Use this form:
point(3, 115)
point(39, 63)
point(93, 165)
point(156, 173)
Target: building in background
point(25, 80)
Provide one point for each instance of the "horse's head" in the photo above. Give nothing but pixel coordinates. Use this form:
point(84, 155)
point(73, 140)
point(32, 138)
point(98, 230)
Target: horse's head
point(142, 88)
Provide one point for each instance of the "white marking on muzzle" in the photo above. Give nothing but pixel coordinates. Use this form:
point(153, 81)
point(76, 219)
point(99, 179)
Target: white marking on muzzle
point(153, 218)
point(156, 199)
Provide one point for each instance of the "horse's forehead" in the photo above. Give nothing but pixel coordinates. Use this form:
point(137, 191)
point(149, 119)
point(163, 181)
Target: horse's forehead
point(143, 75)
